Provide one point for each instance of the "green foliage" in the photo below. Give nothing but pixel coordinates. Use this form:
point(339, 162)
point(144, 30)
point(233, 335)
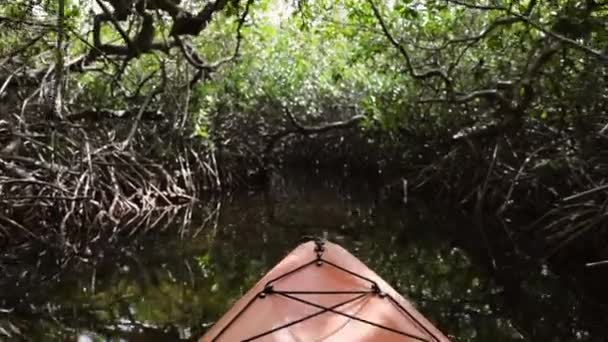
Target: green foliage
point(330, 58)
point(326, 60)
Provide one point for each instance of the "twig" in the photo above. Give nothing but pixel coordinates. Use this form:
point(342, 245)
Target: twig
point(597, 263)
point(308, 130)
point(586, 193)
point(481, 196)
point(477, 6)
point(20, 227)
point(408, 62)
point(604, 130)
point(38, 197)
point(142, 109)
point(117, 26)
point(567, 41)
point(8, 80)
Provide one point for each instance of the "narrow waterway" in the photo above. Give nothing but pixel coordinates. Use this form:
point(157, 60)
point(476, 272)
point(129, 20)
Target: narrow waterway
point(174, 284)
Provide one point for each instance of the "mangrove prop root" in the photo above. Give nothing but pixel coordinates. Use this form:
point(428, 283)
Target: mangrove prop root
point(547, 184)
point(66, 186)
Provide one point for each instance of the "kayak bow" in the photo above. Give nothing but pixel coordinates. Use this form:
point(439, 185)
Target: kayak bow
point(321, 292)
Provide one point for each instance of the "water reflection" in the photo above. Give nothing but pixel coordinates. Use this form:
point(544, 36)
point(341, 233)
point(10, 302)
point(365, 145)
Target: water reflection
point(170, 288)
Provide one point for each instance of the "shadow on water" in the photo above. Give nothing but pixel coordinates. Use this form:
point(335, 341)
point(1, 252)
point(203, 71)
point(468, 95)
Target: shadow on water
point(173, 287)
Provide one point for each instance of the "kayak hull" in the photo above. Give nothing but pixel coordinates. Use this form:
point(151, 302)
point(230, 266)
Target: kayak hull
point(321, 292)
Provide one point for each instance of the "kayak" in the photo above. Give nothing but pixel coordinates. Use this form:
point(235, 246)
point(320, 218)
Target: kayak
point(321, 292)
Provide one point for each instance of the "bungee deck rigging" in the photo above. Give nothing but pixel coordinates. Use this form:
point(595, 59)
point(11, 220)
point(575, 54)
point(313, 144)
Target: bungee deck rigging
point(321, 292)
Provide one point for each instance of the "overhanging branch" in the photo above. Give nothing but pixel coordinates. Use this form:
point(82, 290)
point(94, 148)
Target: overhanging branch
point(184, 23)
point(477, 6)
point(525, 17)
point(432, 73)
point(299, 128)
point(565, 40)
point(194, 58)
point(492, 95)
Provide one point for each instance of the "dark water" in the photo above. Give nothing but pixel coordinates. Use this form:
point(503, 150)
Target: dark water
point(175, 284)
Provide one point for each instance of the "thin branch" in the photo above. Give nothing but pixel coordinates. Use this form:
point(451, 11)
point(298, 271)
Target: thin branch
point(308, 130)
point(94, 54)
point(597, 263)
point(27, 22)
point(117, 26)
point(239, 38)
point(477, 6)
point(142, 109)
point(525, 17)
point(567, 41)
point(604, 130)
point(196, 60)
point(586, 193)
point(25, 46)
point(141, 84)
point(8, 80)
point(486, 31)
point(420, 76)
point(190, 53)
point(489, 94)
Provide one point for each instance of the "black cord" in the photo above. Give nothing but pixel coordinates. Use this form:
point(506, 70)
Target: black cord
point(319, 261)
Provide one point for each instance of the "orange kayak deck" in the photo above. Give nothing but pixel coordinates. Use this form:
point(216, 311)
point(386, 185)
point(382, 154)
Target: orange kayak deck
point(321, 292)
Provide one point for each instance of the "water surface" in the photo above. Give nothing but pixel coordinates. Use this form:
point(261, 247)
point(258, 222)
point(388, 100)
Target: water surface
point(174, 284)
